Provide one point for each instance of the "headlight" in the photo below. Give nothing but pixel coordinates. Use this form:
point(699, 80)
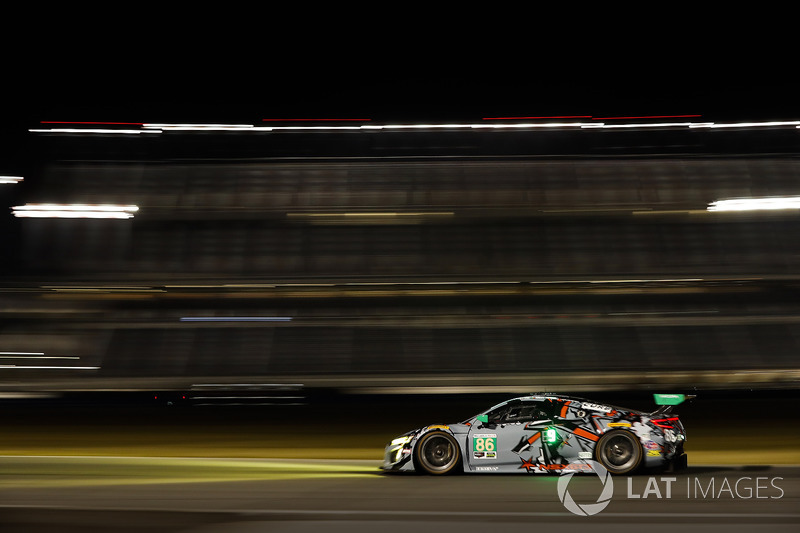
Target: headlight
point(402, 440)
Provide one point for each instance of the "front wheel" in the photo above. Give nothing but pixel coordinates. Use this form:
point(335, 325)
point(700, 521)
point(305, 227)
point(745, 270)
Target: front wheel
point(620, 452)
point(437, 453)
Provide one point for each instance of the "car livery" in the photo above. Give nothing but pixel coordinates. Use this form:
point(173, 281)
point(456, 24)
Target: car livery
point(546, 433)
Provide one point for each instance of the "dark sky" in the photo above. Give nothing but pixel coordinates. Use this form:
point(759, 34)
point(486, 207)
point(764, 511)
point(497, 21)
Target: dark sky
point(151, 68)
point(242, 67)
point(401, 88)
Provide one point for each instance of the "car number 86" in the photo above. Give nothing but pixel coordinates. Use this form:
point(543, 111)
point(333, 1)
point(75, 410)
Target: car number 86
point(484, 444)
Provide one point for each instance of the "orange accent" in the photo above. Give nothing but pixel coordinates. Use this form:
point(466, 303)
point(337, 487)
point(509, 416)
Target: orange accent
point(585, 434)
point(564, 409)
point(527, 464)
point(534, 438)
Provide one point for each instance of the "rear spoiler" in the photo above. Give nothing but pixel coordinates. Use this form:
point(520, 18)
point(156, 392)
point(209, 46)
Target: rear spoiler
point(667, 401)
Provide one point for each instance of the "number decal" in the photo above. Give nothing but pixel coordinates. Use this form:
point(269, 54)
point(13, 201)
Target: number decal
point(484, 446)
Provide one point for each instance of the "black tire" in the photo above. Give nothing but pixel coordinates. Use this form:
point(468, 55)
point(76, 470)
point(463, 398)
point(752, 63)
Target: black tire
point(437, 453)
point(620, 452)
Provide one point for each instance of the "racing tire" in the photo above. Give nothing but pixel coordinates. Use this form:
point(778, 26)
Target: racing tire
point(437, 453)
point(620, 452)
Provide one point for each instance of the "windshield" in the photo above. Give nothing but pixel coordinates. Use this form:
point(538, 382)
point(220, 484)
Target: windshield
point(515, 411)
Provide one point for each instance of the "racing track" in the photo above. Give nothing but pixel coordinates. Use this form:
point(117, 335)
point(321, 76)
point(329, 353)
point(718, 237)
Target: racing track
point(203, 471)
point(208, 495)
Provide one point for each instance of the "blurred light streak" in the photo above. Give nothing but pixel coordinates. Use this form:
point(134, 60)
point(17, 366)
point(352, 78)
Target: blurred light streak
point(746, 124)
point(538, 118)
point(75, 211)
point(199, 127)
point(100, 289)
point(92, 122)
point(250, 385)
point(93, 131)
point(524, 125)
point(646, 117)
point(10, 179)
point(249, 128)
point(649, 125)
point(16, 367)
point(316, 119)
point(664, 280)
point(26, 395)
point(374, 214)
point(756, 204)
point(37, 356)
point(236, 319)
point(389, 283)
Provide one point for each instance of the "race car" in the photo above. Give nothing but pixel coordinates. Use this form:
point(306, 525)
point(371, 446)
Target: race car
point(546, 433)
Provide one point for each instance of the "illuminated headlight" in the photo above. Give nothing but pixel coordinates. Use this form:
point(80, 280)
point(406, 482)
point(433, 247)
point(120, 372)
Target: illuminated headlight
point(399, 441)
point(398, 448)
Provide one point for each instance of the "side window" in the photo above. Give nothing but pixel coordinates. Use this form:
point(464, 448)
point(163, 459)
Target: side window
point(525, 413)
point(495, 416)
point(515, 414)
point(500, 414)
point(548, 409)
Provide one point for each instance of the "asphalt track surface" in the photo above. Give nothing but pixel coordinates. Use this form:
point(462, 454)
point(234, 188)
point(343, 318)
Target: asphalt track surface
point(85, 470)
point(242, 495)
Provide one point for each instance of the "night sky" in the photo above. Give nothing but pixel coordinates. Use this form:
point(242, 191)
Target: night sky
point(144, 67)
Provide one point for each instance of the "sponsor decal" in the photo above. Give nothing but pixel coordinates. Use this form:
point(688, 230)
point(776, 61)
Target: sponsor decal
point(487, 468)
point(653, 453)
point(584, 455)
point(438, 426)
point(576, 466)
point(619, 424)
point(650, 445)
point(596, 407)
point(484, 455)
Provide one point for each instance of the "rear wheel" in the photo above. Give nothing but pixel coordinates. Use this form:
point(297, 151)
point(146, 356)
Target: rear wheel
point(437, 453)
point(620, 452)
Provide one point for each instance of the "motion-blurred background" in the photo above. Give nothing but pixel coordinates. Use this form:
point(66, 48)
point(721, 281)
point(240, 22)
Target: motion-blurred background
point(504, 253)
point(386, 229)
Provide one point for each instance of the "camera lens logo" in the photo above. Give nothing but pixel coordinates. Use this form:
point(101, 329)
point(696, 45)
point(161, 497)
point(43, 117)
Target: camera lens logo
point(587, 509)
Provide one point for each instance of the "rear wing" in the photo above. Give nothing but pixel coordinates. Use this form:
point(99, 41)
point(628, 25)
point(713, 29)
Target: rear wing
point(667, 401)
